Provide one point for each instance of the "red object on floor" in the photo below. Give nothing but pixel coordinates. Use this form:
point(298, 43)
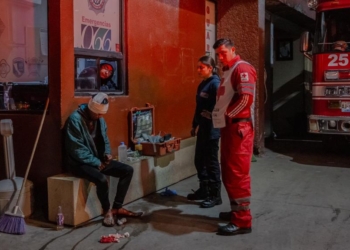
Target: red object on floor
point(108, 239)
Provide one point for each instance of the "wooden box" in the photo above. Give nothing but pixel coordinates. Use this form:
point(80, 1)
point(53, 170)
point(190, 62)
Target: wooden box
point(76, 196)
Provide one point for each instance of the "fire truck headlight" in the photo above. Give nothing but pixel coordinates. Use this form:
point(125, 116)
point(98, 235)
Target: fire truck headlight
point(332, 124)
point(313, 125)
point(345, 125)
point(331, 75)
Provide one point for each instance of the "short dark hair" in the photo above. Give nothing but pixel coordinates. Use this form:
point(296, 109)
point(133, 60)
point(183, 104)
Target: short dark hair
point(223, 41)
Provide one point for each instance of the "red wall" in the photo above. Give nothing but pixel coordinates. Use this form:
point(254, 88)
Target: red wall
point(163, 41)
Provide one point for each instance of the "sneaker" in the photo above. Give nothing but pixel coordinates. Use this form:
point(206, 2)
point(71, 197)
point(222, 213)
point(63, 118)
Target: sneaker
point(231, 229)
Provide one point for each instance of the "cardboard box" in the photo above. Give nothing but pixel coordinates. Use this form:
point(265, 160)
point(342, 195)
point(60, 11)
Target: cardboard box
point(142, 122)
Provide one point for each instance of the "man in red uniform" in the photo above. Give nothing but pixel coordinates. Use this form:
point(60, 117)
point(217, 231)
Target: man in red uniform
point(233, 113)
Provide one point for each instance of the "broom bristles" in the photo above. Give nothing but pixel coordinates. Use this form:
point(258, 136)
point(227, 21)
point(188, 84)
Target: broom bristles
point(12, 223)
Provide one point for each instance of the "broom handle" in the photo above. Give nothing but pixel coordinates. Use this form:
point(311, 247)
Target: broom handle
point(33, 151)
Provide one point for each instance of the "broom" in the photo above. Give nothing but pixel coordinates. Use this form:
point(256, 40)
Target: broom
point(13, 222)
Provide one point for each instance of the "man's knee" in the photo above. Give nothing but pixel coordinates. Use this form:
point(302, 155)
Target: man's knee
point(101, 181)
point(130, 170)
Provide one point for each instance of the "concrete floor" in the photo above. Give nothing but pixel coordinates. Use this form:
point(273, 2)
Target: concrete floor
point(300, 201)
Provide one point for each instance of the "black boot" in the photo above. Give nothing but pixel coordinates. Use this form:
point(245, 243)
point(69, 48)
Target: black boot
point(200, 194)
point(214, 196)
point(231, 229)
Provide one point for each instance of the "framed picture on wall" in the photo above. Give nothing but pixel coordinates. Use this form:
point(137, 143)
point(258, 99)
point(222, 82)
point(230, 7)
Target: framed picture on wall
point(284, 50)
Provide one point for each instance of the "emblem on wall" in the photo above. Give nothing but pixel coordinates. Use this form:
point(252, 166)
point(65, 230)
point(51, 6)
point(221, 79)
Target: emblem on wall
point(18, 66)
point(98, 6)
point(4, 68)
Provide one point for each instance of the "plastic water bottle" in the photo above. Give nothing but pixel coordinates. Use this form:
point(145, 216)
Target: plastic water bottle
point(122, 152)
point(60, 219)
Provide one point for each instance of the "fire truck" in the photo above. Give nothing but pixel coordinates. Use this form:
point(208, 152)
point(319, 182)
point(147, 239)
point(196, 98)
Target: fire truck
point(329, 49)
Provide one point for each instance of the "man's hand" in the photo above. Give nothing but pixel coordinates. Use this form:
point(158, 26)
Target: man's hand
point(107, 159)
point(206, 114)
point(101, 167)
point(193, 132)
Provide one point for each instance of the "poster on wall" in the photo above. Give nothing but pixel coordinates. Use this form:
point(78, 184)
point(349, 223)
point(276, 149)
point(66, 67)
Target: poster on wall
point(97, 24)
point(210, 28)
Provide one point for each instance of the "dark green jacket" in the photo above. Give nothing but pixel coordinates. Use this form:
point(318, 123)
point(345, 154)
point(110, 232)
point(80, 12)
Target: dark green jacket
point(80, 148)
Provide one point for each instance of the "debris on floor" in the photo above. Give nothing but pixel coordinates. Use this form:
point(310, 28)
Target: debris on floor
point(254, 159)
point(168, 192)
point(114, 237)
point(121, 221)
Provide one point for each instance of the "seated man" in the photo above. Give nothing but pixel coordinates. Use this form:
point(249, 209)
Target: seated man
point(89, 156)
point(340, 46)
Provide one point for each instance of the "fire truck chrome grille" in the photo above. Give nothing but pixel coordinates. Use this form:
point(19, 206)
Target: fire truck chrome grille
point(329, 125)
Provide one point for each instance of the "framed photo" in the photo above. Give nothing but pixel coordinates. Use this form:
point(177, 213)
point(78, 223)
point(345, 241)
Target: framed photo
point(284, 50)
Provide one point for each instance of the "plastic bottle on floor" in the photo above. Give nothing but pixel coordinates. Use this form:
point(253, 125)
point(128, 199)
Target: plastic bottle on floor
point(122, 152)
point(60, 219)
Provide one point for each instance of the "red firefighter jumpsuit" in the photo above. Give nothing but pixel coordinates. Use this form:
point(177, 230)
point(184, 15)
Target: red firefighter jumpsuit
point(236, 95)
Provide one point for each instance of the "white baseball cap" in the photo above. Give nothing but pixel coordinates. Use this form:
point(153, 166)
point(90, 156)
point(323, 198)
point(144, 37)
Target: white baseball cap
point(99, 103)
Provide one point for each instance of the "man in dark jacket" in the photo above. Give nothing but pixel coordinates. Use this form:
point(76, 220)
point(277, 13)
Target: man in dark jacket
point(89, 156)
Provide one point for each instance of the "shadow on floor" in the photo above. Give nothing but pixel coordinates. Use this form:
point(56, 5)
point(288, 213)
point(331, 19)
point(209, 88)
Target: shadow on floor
point(169, 201)
point(173, 221)
point(331, 151)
